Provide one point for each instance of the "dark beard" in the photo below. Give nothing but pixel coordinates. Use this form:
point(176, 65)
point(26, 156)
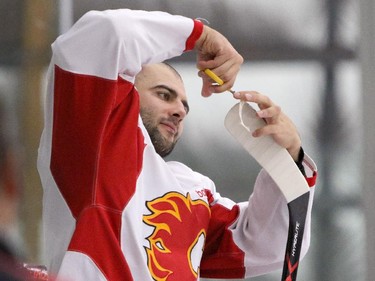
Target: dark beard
point(162, 146)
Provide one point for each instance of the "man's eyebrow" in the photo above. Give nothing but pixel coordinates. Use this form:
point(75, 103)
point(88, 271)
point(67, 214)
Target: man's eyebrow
point(174, 94)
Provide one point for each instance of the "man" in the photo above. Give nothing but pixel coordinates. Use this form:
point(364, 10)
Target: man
point(113, 208)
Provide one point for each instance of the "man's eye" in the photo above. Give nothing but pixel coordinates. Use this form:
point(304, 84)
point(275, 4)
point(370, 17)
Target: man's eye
point(164, 95)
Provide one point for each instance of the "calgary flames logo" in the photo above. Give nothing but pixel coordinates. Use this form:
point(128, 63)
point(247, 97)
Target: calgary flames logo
point(177, 240)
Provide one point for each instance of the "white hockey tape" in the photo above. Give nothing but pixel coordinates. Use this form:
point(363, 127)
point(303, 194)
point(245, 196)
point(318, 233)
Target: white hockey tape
point(240, 121)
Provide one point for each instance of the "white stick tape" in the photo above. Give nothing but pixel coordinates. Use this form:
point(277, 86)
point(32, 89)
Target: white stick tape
point(240, 121)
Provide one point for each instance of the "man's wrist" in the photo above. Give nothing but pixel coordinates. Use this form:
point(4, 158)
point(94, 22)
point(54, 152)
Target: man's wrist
point(199, 43)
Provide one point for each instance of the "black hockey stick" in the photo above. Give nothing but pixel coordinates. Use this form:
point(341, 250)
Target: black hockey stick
point(241, 120)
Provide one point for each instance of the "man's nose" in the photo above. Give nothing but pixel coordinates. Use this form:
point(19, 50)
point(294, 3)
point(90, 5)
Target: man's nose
point(179, 111)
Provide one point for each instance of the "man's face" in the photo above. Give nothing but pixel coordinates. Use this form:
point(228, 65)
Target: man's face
point(163, 105)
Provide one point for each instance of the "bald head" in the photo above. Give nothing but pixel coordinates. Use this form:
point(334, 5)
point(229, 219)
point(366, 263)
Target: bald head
point(149, 72)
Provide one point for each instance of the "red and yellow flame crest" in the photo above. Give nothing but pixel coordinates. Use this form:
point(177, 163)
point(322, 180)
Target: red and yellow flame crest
point(176, 242)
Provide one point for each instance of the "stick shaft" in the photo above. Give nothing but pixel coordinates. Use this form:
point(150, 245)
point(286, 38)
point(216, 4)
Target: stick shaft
point(297, 217)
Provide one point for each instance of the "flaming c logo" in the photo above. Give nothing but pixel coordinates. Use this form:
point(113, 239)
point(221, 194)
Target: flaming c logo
point(177, 240)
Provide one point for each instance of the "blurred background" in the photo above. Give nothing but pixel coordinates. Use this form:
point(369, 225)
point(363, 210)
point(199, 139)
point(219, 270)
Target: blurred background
point(315, 59)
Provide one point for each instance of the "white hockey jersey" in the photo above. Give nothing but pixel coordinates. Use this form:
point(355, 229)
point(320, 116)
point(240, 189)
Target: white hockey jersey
point(113, 209)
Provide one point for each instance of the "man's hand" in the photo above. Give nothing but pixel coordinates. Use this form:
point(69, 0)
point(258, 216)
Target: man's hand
point(278, 125)
point(216, 53)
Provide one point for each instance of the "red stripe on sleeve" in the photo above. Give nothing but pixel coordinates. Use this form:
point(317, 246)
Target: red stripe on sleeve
point(97, 235)
point(194, 36)
point(97, 146)
point(311, 181)
point(97, 156)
